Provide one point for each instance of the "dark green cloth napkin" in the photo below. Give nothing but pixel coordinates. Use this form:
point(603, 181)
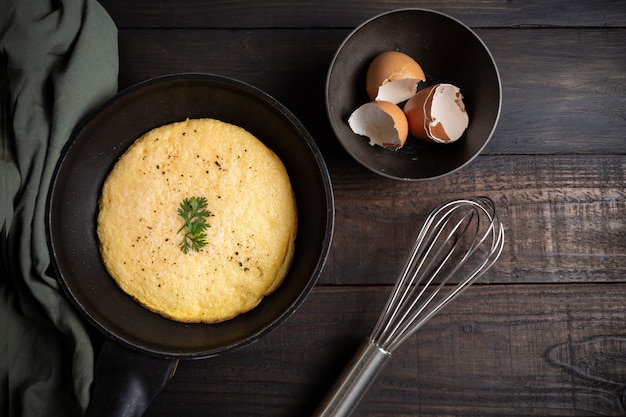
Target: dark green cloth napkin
point(58, 61)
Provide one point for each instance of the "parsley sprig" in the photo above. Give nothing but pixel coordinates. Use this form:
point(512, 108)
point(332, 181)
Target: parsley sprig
point(194, 212)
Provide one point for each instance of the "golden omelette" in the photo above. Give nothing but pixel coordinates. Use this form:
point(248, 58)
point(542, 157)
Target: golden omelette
point(251, 229)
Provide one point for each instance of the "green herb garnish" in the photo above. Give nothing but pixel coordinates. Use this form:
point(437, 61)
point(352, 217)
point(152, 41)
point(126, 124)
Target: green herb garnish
point(194, 212)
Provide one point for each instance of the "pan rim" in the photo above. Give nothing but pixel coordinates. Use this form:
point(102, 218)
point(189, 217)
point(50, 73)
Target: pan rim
point(288, 310)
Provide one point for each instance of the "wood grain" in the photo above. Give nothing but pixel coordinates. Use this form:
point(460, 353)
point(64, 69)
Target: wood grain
point(564, 218)
point(566, 101)
point(332, 14)
point(493, 352)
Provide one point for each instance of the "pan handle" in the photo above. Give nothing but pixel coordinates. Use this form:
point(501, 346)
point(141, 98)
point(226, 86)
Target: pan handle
point(126, 381)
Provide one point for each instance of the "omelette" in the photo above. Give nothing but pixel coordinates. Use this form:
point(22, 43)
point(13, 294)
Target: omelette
point(150, 241)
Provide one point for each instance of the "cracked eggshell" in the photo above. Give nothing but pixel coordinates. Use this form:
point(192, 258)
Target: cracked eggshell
point(384, 123)
point(393, 76)
point(437, 114)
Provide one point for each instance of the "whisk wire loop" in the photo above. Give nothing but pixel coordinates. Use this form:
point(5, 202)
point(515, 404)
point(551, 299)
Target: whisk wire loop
point(453, 243)
point(412, 285)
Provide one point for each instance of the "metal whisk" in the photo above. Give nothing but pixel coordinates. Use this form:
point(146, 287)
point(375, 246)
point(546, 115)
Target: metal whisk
point(458, 242)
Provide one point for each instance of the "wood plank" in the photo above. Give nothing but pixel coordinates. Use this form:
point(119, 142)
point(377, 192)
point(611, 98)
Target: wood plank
point(566, 98)
point(498, 350)
point(564, 218)
point(349, 14)
point(583, 114)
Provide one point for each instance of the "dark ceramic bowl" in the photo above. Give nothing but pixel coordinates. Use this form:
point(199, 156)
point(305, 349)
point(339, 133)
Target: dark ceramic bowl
point(449, 52)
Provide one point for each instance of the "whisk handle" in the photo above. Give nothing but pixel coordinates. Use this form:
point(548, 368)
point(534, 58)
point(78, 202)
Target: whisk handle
point(354, 381)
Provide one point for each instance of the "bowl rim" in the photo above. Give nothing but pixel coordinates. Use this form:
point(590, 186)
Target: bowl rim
point(397, 11)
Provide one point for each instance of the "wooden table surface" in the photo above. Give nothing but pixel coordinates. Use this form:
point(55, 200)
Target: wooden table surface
point(544, 332)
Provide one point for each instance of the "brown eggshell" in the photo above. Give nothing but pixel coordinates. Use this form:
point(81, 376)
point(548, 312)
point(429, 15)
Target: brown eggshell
point(398, 69)
point(382, 122)
point(415, 110)
point(437, 114)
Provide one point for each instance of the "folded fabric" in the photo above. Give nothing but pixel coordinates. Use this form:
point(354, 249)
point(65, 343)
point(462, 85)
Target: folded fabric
point(58, 61)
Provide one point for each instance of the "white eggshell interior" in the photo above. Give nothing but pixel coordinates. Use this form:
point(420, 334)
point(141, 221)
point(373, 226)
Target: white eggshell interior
point(397, 91)
point(371, 121)
point(448, 109)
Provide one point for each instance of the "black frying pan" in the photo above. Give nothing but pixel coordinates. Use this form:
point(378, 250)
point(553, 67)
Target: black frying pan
point(73, 205)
